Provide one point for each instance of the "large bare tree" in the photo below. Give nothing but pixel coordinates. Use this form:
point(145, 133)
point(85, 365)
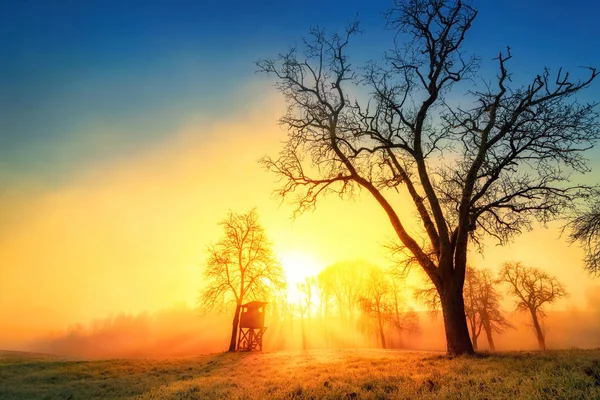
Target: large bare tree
point(240, 267)
point(533, 289)
point(488, 165)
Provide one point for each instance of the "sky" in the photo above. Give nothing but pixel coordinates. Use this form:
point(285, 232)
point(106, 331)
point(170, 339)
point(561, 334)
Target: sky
point(129, 129)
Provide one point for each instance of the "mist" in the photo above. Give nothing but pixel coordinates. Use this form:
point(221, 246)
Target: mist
point(183, 331)
point(178, 331)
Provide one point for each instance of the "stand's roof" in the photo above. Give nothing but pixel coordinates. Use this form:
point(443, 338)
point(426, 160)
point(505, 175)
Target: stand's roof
point(254, 304)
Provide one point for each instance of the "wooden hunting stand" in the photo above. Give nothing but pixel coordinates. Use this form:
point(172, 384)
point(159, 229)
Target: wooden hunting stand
point(252, 326)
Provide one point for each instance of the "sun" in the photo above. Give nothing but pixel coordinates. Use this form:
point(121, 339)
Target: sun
point(297, 266)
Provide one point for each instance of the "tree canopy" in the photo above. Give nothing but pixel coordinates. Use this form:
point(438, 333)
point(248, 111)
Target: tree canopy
point(533, 289)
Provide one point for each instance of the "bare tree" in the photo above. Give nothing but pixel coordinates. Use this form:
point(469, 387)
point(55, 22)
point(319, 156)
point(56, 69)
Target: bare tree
point(489, 166)
point(382, 301)
point(533, 288)
point(585, 229)
point(490, 314)
point(482, 306)
point(240, 267)
point(404, 319)
point(472, 293)
point(375, 300)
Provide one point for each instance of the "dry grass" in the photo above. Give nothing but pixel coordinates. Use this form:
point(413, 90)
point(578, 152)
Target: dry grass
point(335, 374)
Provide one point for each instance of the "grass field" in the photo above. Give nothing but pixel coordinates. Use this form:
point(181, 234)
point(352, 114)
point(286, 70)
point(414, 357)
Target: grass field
point(328, 374)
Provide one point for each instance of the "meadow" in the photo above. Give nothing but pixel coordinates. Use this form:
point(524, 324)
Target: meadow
point(315, 374)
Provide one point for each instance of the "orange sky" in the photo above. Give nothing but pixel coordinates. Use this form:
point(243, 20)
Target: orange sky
point(130, 236)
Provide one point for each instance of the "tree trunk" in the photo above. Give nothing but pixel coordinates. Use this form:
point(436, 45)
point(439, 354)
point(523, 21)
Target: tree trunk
point(538, 330)
point(472, 323)
point(474, 341)
point(455, 323)
point(488, 333)
point(234, 328)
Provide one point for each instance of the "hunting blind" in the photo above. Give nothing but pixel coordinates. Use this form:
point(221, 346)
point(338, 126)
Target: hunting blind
point(252, 326)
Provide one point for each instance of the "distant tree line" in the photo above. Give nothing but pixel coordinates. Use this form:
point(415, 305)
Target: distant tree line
point(361, 296)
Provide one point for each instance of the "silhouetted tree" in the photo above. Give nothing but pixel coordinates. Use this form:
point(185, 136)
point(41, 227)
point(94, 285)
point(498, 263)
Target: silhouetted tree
point(533, 288)
point(472, 293)
point(240, 267)
point(585, 229)
point(482, 306)
point(375, 300)
point(403, 318)
point(490, 314)
point(486, 167)
point(382, 301)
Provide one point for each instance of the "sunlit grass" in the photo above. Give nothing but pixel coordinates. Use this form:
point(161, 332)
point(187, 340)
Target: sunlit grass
point(329, 374)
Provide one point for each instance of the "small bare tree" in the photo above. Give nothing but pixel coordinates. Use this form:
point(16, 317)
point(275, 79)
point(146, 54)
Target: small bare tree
point(533, 289)
point(403, 318)
point(240, 267)
point(472, 294)
point(490, 314)
point(382, 301)
point(374, 300)
point(488, 166)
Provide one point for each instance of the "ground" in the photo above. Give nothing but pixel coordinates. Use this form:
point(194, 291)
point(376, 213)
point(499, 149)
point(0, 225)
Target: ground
point(328, 374)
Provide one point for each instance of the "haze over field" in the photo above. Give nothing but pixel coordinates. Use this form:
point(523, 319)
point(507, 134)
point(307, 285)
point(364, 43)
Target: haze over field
point(127, 132)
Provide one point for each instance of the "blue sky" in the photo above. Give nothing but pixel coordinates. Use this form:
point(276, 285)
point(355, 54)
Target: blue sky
point(136, 70)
